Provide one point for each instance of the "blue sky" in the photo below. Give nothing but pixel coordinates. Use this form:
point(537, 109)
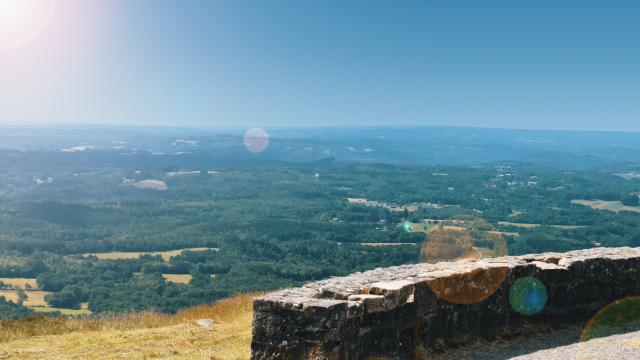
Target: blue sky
point(520, 64)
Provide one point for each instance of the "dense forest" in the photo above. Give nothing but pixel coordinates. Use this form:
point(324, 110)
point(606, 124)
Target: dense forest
point(261, 225)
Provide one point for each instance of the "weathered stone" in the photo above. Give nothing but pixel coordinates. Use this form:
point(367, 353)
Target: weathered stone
point(403, 311)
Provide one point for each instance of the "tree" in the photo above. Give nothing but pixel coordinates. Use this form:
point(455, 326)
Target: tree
point(69, 298)
point(200, 277)
point(22, 296)
point(630, 200)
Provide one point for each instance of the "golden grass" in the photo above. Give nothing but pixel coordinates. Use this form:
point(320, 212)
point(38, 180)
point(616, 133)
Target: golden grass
point(166, 255)
point(529, 226)
point(135, 336)
point(615, 206)
point(72, 312)
point(34, 298)
point(20, 282)
point(504, 233)
point(10, 295)
point(176, 278)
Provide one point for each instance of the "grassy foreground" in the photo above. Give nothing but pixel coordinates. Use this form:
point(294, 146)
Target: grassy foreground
point(137, 336)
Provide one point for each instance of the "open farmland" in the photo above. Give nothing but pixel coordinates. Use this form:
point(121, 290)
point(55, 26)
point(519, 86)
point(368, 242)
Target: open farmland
point(387, 244)
point(19, 282)
point(166, 255)
point(530, 226)
point(180, 278)
point(71, 312)
point(177, 278)
point(34, 298)
point(35, 301)
point(152, 184)
point(615, 206)
point(275, 226)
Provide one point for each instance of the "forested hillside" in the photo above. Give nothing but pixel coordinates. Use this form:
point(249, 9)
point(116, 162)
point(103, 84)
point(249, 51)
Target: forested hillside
point(97, 231)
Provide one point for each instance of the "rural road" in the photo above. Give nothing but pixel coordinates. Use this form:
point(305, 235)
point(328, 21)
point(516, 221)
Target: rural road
point(556, 345)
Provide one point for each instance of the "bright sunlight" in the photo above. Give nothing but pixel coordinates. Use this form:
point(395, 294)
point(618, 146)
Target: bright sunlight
point(21, 21)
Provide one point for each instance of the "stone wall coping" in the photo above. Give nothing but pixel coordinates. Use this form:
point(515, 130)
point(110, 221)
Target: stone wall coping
point(395, 284)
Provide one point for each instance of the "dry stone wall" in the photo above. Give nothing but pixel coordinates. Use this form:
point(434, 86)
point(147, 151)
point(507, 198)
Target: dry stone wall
point(406, 312)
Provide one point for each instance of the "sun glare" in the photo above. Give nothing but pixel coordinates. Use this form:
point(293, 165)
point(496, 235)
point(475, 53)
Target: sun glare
point(23, 20)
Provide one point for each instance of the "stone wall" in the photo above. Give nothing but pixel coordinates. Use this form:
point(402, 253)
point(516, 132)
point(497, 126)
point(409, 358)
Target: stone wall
point(408, 311)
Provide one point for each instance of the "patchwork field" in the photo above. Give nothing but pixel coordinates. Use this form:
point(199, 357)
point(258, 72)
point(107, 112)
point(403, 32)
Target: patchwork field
point(71, 312)
point(615, 206)
point(166, 255)
point(387, 244)
point(177, 278)
point(19, 282)
point(34, 298)
point(529, 226)
point(35, 301)
point(152, 184)
point(504, 233)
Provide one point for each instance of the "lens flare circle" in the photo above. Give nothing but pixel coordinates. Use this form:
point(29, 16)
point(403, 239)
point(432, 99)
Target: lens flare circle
point(256, 140)
point(621, 316)
point(464, 238)
point(21, 21)
point(528, 296)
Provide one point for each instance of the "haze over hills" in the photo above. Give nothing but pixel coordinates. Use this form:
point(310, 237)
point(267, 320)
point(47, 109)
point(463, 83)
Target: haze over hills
point(405, 145)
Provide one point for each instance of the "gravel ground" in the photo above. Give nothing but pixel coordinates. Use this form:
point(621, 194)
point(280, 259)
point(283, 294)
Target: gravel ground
point(556, 345)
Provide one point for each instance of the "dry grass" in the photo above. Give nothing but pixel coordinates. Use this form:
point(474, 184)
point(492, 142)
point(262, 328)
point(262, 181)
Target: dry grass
point(72, 312)
point(615, 206)
point(504, 233)
point(135, 336)
point(529, 226)
point(520, 225)
point(178, 279)
point(20, 282)
point(34, 298)
point(166, 255)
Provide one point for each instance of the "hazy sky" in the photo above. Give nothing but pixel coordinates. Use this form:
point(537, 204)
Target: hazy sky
point(525, 64)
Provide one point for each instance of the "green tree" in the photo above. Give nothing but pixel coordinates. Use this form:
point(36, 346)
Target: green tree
point(630, 200)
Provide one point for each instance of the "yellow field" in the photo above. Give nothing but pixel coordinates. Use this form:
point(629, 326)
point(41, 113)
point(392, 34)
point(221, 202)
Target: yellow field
point(139, 336)
point(34, 298)
point(35, 301)
point(62, 311)
point(180, 278)
point(504, 233)
point(615, 206)
point(166, 255)
point(529, 226)
point(10, 295)
point(19, 282)
point(175, 278)
point(386, 244)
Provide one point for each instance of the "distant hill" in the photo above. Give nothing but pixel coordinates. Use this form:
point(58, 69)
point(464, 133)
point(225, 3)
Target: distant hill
point(425, 145)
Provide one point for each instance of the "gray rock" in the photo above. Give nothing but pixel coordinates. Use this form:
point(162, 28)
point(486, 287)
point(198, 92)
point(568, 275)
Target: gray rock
point(411, 311)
